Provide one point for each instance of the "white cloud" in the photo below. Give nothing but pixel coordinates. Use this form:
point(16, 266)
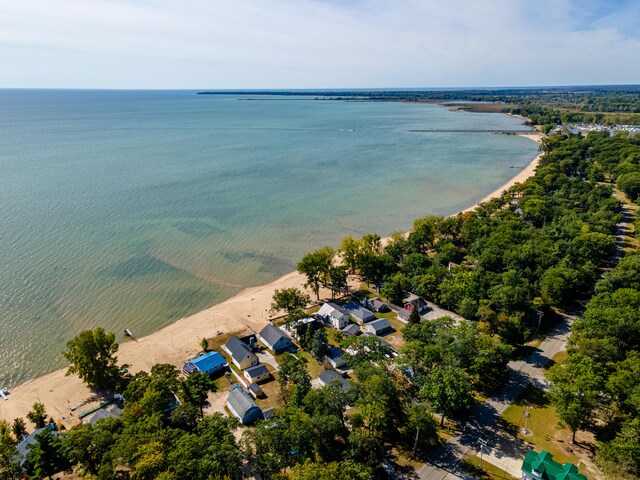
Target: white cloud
point(312, 44)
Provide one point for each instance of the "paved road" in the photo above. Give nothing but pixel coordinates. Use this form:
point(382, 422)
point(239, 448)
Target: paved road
point(498, 447)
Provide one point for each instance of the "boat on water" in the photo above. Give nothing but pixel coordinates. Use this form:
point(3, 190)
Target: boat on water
point(127, 332)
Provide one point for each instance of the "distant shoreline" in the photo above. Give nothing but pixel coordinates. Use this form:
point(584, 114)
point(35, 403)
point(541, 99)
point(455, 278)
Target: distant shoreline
point(179, 341)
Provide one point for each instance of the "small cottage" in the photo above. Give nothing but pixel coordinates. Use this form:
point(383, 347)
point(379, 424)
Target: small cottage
point(207, 363)
point(242, 406)
point(275, 339)
point(331, 377)
point(240, 353)
point(359, 314)
point(334, 315)
point(380, 326)
point(257, 374)
point(334, 357)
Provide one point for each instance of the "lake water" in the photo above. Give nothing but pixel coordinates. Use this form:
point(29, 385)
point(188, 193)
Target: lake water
point(133, 209)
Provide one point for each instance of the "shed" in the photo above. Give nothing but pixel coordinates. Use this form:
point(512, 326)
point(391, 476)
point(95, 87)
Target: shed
point(207, 363)
point(403, 314)
point(376, 305)
point(360, 314)
point(240, 353)
point(331, 377)
point(242, 406)
point(257, 374)
point(274, 338)
point(255, 390)
point(414, 301)
point(351, 330)
point(378, 327)
point(334, 315)
point(335, 357)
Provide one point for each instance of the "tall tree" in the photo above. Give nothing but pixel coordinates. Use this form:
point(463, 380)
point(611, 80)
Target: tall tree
point(48, 455)
point(349, 251)
point(315, 266)
point(294, 379)
point(92, 357)
point(196, 389)
point(289, 299)
point(575, 386)
point(448, 391)
point(37, 415)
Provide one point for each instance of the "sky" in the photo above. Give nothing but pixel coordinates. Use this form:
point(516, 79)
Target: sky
point(287, 44)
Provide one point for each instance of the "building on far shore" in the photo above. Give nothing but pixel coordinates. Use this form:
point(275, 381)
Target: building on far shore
point(540, 466)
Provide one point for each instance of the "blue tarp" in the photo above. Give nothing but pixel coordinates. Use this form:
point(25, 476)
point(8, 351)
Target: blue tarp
point(209, 362)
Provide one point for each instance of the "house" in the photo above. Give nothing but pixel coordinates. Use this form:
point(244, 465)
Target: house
point(403, 315)
point(350, 330)
point(292, 328)
point(256, 374)
point(207, 363)
point(275, 339)
point(240, 353)
point(360, 314)
point(378, 327)
point(22, 448)
point(375, 305)
point(334, 315)
point(242, 406)
point(394, 352)
point(414, 301)
point(334, 357)
point(331, 377)
point(111, 411)
point(540, 466)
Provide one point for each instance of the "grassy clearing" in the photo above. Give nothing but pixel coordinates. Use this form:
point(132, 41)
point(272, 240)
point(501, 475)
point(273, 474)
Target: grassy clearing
point(559, 357)
point(471, 464)
point(542, 425)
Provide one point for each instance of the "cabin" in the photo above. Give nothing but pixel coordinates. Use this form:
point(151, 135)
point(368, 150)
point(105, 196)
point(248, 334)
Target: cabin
point(376, 305)
point(257, 374)
point(414, 301)
point(293, 327)
point(359, 314)
point(255, 390)
point(403, 315)
point(242, 406)
point(350, 330)
point(207, 363)
point(334, 357)
point(240, 353)
point(540, 466)
point(275, 339)
point(334, 315)
point(380, 326)
point(331, 377)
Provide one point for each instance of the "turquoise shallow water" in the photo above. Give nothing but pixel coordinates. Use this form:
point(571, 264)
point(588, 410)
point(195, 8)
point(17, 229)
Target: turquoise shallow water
point(137, 208)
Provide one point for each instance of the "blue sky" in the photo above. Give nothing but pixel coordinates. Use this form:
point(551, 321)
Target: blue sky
point(317, 43)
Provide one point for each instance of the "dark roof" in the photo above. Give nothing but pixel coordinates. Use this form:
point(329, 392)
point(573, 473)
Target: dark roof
point(255, 388)
point(108, 412)
point(380, 325)
point(240, 400)
point(329, 377)
point(272, 334)
point(351, 329)
point(359, 312)
point(334, 353)
point(257, 370)
point(237, 347)
point(549, 469)
point(22, 449)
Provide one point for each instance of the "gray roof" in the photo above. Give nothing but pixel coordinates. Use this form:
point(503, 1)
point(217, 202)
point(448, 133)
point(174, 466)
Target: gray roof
point(359, 312)
point(351, 329)
point(237, 348)
point(404, 313)
point(241, 401)
point(257, 370)
point(329, 377)
point(22, 449)
point(332, 309)
point(272, 334)
point(107, 412)
point(380, 324)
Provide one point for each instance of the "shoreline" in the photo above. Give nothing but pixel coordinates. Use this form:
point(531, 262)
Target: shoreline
point(176, 343)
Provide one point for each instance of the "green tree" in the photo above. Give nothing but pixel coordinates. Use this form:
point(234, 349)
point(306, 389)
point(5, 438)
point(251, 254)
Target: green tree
point(448, 391)
point(414, 317)
point(196, 389)
point(204, 345)
point(319, 344)
point(8, 469)
point(315, 266)
point(289, 299)
point(345, 470)
point(337, 279)
point(92, 357)
point(623, 452)
point(37, 415)
point(575, 386)
point(420, 427)
point(394, 288)
point(48, 455)
point(349, 251)
point(19, 428)
point(294, 379)
point(629, 183)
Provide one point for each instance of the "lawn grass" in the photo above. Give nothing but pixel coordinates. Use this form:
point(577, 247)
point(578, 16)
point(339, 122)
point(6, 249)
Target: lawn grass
point(471, 464)
point(559, 357)
point(542, 425)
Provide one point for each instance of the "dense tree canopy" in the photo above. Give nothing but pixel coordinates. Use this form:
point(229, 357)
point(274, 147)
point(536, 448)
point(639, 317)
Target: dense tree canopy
point(92, 357)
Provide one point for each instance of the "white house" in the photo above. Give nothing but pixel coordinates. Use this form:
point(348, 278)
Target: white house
point(334, 315)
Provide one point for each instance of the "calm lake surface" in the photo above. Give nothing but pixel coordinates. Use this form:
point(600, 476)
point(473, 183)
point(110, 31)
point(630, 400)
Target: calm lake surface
point(133, 209)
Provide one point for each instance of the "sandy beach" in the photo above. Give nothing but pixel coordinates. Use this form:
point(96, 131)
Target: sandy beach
point(246, 312)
